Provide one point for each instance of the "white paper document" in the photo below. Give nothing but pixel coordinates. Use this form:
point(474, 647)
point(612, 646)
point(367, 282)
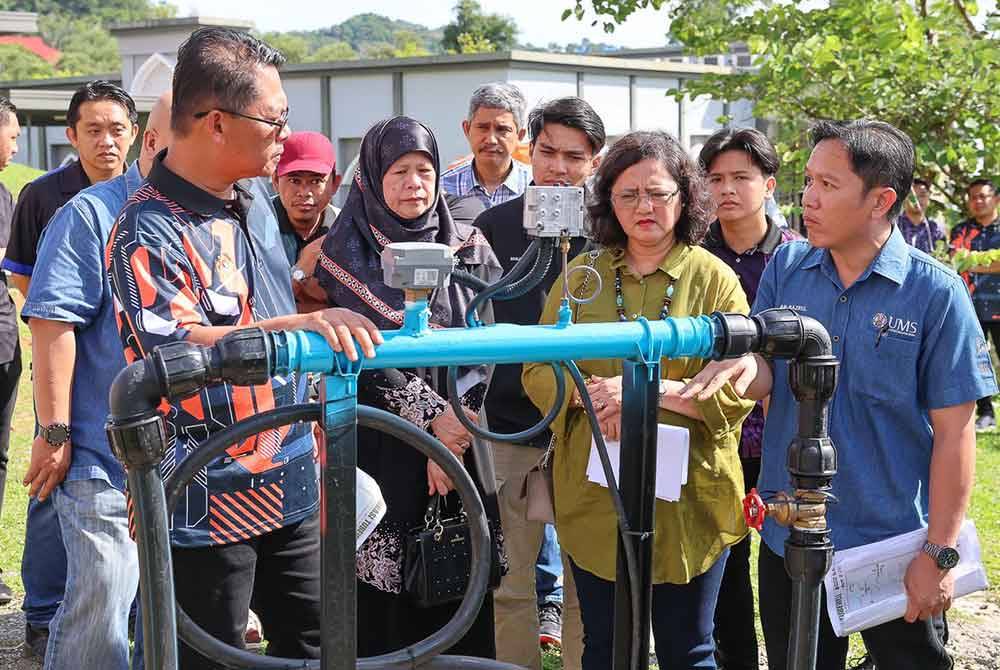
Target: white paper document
point(864, 586)
point(371, 507)
point(671, 462)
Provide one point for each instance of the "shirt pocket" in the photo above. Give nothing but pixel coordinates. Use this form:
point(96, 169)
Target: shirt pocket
point(889, 372)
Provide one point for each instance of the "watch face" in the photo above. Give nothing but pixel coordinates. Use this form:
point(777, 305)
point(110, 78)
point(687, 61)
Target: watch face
point(56, 435)
point(947, 558)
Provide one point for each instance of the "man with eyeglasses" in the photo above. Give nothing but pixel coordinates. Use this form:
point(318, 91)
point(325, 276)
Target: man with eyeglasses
point(193, 258)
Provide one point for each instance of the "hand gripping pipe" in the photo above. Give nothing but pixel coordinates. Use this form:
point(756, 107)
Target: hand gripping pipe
point(251, 356)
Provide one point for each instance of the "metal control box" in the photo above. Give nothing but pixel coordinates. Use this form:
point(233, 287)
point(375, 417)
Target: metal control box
point(554, 211)
point(417, 266)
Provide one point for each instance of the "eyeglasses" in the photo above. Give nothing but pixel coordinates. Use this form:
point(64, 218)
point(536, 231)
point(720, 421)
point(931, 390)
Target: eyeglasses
point(278, 123)
point(631, 199)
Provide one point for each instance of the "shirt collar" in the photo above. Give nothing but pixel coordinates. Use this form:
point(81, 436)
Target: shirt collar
point(73, 179)
point(191, 197)
point(133, 178)
point(772, 238)
point(892, 261)
point(672, 263)
point(512, 181)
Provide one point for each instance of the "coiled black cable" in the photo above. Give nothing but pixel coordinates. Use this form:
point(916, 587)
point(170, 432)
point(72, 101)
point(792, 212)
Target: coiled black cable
point(522, 436)
point(515, 284)
point(423, 653)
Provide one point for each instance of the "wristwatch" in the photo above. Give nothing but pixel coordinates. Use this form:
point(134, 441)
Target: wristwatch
point(298, 274)
point(56, 434)
point(946, 557)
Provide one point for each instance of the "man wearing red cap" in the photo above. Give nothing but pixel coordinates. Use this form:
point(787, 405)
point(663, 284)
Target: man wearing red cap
point(305, 180)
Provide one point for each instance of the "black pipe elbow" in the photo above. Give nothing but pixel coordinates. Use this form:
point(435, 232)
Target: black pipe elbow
point(136, 392)
point(787, 334)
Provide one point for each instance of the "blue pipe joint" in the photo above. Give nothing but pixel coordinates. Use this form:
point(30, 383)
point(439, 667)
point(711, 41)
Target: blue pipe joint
point(416, 318)
point(648, 341)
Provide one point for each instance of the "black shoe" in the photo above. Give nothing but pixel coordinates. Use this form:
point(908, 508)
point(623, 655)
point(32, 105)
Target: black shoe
point(6, 595)
point(36, 639)
point(550, 625)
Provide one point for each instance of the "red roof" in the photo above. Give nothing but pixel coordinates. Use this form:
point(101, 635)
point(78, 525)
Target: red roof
point(35, 45)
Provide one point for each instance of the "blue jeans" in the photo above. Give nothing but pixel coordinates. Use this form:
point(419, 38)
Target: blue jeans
point(43, 563)
point(548, 570)
point(683, 619)
point(90, 628)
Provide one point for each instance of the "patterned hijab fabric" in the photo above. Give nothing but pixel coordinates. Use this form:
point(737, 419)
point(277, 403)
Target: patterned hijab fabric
point(349, 267)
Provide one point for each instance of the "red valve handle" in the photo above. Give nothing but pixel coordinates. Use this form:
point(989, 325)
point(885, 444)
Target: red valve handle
point(754, 510)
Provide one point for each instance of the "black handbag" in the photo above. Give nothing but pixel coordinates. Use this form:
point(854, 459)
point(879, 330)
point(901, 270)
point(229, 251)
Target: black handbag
point(438, 559)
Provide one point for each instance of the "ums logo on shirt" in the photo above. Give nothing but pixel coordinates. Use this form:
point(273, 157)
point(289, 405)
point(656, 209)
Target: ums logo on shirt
point(894, 324)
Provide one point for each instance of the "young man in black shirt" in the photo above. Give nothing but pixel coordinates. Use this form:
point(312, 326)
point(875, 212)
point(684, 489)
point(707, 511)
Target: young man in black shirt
point(567, 136)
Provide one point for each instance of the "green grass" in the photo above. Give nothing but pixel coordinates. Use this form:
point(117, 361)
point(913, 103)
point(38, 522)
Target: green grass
point(15, 176)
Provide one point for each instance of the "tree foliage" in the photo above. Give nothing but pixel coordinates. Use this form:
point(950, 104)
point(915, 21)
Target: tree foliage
point(86, 45)
point(483, 32)
point(926, 66)
point(16, 63)
point(108, 11)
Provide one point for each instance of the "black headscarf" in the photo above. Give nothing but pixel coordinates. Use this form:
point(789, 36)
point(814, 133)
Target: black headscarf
point(349, 267)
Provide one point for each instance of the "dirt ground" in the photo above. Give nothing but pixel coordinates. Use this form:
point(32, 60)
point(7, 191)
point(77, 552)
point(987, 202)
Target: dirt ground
point(974, 624)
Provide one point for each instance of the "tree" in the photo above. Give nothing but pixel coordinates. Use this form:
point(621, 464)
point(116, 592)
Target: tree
point(17, 63)
point(484, 32)
point(293, 47)
point(87, 47)
point(106, 10)
point(921, 65)
point(336, 50)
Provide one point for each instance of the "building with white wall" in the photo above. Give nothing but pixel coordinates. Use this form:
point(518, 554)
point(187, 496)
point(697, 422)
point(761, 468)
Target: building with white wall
point(343, 98)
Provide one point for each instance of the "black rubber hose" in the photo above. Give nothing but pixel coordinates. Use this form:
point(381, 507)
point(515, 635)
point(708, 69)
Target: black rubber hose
point(514, 438)
point(410, 657)
point(470, 280)
point(546, 254)
point(631, 562)
point(529, 259)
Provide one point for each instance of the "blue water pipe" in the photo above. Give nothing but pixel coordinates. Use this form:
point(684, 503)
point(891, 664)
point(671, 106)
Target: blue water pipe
point(416, 344)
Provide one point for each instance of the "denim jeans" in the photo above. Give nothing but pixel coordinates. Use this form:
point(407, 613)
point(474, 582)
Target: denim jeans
point(90, 628)
point(549, 569)
point(43, 563)
point(682, 618)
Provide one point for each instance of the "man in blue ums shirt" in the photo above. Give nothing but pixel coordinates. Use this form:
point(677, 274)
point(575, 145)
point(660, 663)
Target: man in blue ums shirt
point(76, 354)
point(913, 364)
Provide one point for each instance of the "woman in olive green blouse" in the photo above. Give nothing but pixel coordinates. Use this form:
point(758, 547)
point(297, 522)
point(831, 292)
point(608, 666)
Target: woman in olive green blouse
point(650, 211)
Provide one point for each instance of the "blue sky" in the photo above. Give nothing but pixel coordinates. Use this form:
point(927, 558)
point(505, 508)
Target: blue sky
point(538, 20)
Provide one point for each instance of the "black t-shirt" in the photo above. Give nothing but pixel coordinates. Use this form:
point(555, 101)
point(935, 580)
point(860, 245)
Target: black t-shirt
point(8, 319)
point(38, 201)
point(508, 408)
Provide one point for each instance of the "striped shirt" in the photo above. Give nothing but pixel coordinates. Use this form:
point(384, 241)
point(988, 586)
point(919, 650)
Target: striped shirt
point(461, 180)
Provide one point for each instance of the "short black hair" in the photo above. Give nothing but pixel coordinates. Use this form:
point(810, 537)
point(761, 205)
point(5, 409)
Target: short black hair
point(7, 108)
point(636, 147)
point(981, 181)
point(750, 141)
point(97, 90)
point(880, 153)
point(216, 68)
point(917, 181)
point(572, 112)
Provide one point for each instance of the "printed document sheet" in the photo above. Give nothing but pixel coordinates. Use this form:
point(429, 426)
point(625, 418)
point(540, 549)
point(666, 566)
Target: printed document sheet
point(671, 462)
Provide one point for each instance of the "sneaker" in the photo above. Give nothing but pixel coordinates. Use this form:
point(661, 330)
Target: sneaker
point(36, 639)
point(866, 662)
point(985, 422)
point(6, 595)
point(253, 636)
point(550, 625)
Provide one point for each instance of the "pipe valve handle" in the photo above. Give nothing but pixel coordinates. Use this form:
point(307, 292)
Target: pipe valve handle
point(754, 510)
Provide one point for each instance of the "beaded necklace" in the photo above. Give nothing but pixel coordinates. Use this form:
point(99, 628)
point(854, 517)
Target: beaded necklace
point(668, 296)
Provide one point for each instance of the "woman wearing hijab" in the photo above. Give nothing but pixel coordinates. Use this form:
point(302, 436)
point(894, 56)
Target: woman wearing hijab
point(396, 197)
